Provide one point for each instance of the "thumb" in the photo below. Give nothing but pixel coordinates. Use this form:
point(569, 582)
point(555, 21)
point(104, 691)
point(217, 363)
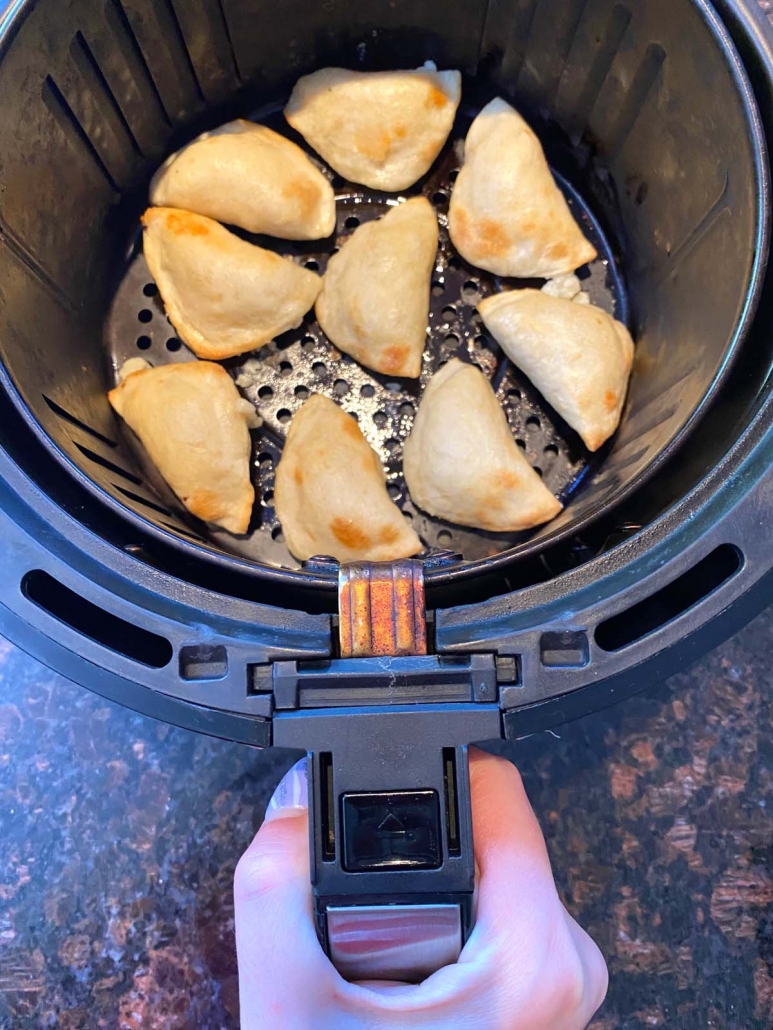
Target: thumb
point(279, 955)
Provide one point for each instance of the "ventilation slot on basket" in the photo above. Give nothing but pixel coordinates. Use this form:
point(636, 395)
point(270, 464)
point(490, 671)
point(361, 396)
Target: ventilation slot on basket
point(104, 98)
point(128, 46)
point(601, 66)
point(645, 78)
point(184, 532)
point(93, 622)
point(55, 101)
point(109, 465)
point(156, 30)
point(144, 500)
point(223, 20)
point(63, 413)
point(183, 47)
point(673, 600)
point(211, 51)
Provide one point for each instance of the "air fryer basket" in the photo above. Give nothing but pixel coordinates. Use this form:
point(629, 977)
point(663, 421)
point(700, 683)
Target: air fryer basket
point(644, 110)
point(646, 113)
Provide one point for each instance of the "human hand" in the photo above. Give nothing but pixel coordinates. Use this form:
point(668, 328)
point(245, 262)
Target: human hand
point(526, 966)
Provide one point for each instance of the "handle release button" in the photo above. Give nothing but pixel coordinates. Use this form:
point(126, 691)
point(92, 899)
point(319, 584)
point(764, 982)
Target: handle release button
point(391, 831)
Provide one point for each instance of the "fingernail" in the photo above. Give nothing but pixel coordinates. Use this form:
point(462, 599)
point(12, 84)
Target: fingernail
point(291, 797)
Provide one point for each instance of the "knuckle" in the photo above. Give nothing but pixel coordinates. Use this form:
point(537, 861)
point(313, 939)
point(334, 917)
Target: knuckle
point(256, 875)
point(598, 976)
point(569, 983)
point(563, 985)
point(263, 868)
point(483, 761)
point(513, 773)
point(580, 977)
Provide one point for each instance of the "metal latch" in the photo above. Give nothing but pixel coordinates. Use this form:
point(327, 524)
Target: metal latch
point(381, 609)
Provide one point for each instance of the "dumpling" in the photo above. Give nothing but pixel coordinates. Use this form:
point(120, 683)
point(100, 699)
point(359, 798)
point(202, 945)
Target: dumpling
point(507, 215)
point(374, 302)
point(222, 295)
point(195, 425)
point(246, 175)
point(330, 491)
point(461, 462)
point(577, 356)
point(382, 129)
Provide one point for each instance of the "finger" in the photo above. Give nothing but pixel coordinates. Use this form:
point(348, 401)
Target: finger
point(509, 846)
point(281, 964)
point(511, 857)
point(545, 961)
point(507, 836)
point(499, 981)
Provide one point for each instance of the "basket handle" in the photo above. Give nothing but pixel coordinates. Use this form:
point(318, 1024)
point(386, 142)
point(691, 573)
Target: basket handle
point(386, 727)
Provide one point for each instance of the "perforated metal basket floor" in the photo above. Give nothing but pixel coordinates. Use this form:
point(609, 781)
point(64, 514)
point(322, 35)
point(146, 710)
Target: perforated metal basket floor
point(281, 376)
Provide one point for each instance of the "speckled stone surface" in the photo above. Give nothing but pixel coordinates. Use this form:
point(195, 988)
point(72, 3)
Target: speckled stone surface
point(119, 837)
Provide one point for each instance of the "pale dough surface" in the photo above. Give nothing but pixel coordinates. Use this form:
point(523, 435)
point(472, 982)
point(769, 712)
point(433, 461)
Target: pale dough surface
point(374, 302)
point(224, 296)
point(461, 462)
point(506, 214)
point(248, 175)
point(577, 356)
point(330, 492)
point(194, 424)
point(381, 129)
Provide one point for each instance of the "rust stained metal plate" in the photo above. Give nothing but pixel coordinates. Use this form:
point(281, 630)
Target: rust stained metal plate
point(381, 609)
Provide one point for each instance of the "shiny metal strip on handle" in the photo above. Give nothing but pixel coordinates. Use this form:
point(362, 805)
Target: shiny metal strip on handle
point(393, 942)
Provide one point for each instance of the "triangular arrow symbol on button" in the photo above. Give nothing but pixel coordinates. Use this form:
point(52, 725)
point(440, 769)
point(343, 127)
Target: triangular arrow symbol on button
point(391, 824)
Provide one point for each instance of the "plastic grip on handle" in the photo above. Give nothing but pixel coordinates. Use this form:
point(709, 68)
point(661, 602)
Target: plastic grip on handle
point(391, 831)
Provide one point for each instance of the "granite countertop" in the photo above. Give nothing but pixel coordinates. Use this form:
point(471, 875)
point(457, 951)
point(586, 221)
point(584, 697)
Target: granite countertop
point(120, 836)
